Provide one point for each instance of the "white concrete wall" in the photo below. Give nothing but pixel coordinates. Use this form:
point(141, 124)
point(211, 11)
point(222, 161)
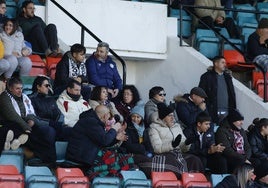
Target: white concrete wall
point(133, 29)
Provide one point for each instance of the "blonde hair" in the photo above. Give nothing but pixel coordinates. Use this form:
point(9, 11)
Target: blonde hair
point(242, 174)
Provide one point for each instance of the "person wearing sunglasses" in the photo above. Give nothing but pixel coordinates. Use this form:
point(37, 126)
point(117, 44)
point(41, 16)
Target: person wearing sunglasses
point(45, 107)
point(157, 94)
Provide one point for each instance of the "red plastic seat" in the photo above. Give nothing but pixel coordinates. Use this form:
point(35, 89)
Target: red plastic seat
point(193, 177)
point(260, 88)
point(8, 169)
point(68, 177)
point(165, 179)
point(52, 60)
point(11, 181)
point(196, 184)
point(10, 177)
point(38, 66)
point(52, 71)
point(232, 58)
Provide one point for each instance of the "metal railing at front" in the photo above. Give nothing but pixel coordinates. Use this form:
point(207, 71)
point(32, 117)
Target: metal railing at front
point(85, 29)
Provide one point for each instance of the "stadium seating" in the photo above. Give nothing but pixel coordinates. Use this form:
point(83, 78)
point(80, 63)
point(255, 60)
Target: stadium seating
point(13, 157)
point(194, 180)
point(135, 178)
point(10, 177)
point(165, 179)
point(39, 177)
point(38, 66)
point(106, 182)
point(217, 178)
point(27, 84)
point(71, 177)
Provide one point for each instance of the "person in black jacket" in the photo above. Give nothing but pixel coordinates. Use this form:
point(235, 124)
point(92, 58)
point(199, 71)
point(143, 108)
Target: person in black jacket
point(72, 66)
point(261, 171)
point(231, 135)
point(135, 131)
point(45, 107)
point(218, 85)
point(89, 143)
point(203, 144)
point(258, 141)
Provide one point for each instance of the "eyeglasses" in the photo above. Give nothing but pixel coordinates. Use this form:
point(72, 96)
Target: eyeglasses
point(47, 85)
point(162, 94)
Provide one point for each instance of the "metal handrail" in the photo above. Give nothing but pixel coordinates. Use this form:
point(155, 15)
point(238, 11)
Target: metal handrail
point(83, 29)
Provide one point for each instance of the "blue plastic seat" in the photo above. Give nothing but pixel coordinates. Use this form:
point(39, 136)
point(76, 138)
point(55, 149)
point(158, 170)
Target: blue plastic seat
point(13, 157)
point(259, 6)
point(39, 177)
point(11, 11)
point(217, 178)
point(135, 178)
point(237, 42)
point(260, 16)
point(209, 46)
point(106, 182)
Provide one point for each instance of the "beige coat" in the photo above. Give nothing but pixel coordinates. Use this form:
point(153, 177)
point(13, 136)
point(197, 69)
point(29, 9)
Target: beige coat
point(161, 137)
point(209, 12)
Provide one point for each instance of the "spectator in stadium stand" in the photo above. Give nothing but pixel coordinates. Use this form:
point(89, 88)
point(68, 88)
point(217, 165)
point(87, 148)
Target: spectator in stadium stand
point(71, 103)
point(212, 17)
point(261, 180)
point(16, 51)
point(102, 70)
point(45, 107)
point(188, 106)
point(99, 95)
point(258, 41)
point(72, 66)
point(157, 95)
point(94, 147)
point(43, 37)
point(233, 137)
point(19, 113)
point(258, 140)
point(3, 17)
point(218, 85)
point(128, 98)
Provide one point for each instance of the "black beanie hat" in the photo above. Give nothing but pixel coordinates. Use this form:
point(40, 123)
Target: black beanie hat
point(234, 115)
point(261, 170)
point(263, 23)
point(163, 110)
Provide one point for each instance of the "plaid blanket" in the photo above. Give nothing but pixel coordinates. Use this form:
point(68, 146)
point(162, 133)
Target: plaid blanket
point(169, 161)
point(110, 163)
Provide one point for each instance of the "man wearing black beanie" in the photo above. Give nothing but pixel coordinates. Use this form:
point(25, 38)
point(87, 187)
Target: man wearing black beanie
point(233, 137)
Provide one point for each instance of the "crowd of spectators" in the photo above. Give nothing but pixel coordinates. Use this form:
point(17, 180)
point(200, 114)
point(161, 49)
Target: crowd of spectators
point(110, 128)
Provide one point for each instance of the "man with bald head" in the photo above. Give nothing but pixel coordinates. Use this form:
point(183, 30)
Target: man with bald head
point(89, 142)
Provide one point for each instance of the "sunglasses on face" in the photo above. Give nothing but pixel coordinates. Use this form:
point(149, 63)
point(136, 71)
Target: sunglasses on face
point(162, 94)
point(47, 85)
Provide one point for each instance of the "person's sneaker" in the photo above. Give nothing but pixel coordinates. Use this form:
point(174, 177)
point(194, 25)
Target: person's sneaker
point(9, 138)
point(22, 139)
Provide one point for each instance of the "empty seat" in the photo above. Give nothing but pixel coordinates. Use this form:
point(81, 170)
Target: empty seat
point(38, 66)
point(217, 178)
point(209, 47)
point(72, 177)
point(11, 9)
point(260, 88)
point(13, 157)
point(10, 177)
point(52, 60)
point(236, 42)
point(194, 180)
point(257, 75)
point(232, 58)
point(165, 179)
point(27, 84)
point(106, 182)
point(52, 71)
point(39, 177)
point(135, 178)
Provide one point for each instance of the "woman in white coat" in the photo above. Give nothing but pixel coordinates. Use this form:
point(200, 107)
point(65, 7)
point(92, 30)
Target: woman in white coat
point(16, 51)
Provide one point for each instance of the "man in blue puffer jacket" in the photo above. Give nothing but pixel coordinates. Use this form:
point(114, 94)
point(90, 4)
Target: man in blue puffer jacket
point(102, 70)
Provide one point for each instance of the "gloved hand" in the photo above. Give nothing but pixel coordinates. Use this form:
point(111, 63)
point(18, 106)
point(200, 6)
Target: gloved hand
point(177, 141)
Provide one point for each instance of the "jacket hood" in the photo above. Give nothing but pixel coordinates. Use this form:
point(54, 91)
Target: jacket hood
point(227, 71)
point(183, 98)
